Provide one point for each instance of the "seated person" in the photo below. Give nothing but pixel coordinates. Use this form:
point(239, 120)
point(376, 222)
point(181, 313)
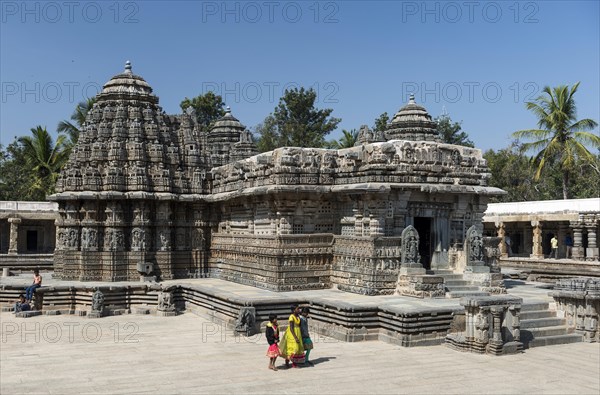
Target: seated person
point(22, 304)
point(37, 282)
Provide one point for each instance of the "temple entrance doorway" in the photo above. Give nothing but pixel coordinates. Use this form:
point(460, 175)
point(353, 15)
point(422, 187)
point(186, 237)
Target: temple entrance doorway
point(32, 241)
point(423, 227)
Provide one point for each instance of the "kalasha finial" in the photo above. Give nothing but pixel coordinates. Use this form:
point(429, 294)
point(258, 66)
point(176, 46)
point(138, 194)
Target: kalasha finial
point(227, 110)
point(128, 67)
point(411, 99)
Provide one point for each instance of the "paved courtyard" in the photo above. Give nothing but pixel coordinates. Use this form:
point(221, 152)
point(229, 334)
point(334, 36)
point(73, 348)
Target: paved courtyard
point(188, 354)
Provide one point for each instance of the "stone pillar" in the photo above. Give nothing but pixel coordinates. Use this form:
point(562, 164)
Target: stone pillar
point(496, 339)
point(537, 251)
point(562, 233)
point(502, 234)
point(376, 224)
point(578, 252)
point(358, 224)
point(13, 244)
point(591, 252)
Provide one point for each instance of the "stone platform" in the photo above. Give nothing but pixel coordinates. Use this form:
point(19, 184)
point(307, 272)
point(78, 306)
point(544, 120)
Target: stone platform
point(340, 315)
point(549, 270)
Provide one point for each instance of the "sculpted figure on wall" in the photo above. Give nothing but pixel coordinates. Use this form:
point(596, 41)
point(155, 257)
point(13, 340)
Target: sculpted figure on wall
point(97, 301)
point(474, 245)
point(89, 238)
point(410, 245)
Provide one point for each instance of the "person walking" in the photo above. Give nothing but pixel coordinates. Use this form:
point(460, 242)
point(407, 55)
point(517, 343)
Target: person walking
point(306, 340)
point(291, 345)
point(554, 245)
point(272, 334)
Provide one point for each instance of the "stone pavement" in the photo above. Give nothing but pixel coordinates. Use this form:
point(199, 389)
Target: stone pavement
point(187, 354)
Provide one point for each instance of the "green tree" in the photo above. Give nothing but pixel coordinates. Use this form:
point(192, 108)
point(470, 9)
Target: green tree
point(381, 122)
point(208, 108)
point(44, 159)
point(451, 131)
point(266, 134)
point(15, 177)
point(296, 122)
point(73, 129)
point(511, 170)
point(560, 138)
point(347, 140)
point(582, 185)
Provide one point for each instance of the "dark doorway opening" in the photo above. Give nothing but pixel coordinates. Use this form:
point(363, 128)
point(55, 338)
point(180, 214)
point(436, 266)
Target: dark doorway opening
point(32, 241)
point(423, 227)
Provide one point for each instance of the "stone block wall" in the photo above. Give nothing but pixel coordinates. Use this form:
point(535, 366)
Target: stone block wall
point(277, 263)
point(366, 265)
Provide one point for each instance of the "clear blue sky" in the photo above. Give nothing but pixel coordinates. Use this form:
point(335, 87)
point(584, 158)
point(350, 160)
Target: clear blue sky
point(479, 60)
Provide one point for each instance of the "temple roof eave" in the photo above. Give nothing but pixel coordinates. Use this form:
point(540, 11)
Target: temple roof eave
point(350, 189)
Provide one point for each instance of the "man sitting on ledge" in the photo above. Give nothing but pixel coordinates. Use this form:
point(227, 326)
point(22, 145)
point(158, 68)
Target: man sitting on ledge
point(37, 282)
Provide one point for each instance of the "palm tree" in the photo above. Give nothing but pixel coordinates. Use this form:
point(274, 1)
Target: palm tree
point(44, 158)
point(348, 139)
point(72, 130)
point(560, 139)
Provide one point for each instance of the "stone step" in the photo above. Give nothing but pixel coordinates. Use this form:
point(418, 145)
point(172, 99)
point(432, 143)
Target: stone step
point(456, 283)
point(547, 331)
point(557, 339)
point(449, 277)
point(534, 306)
point(462, 294)
point(440, 272)
point(463, 288)
point(537, 323)
point(533, 314)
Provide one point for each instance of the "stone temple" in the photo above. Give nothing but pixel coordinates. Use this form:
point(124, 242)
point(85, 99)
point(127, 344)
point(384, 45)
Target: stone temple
point(147, 192)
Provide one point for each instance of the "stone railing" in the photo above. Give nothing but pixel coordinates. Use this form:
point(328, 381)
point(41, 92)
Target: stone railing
point(578, 301)
point(492, 326)
point(28, 206)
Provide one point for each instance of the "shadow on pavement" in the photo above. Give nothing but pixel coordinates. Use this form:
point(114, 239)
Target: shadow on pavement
point(513, 283)
point(321, 360)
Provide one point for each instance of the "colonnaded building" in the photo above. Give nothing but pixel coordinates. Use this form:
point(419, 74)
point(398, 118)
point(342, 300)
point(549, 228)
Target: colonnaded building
point(143, 188)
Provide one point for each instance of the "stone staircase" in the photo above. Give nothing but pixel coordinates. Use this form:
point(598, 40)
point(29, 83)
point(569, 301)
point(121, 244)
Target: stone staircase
point(456, 286)
point(541, 327)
